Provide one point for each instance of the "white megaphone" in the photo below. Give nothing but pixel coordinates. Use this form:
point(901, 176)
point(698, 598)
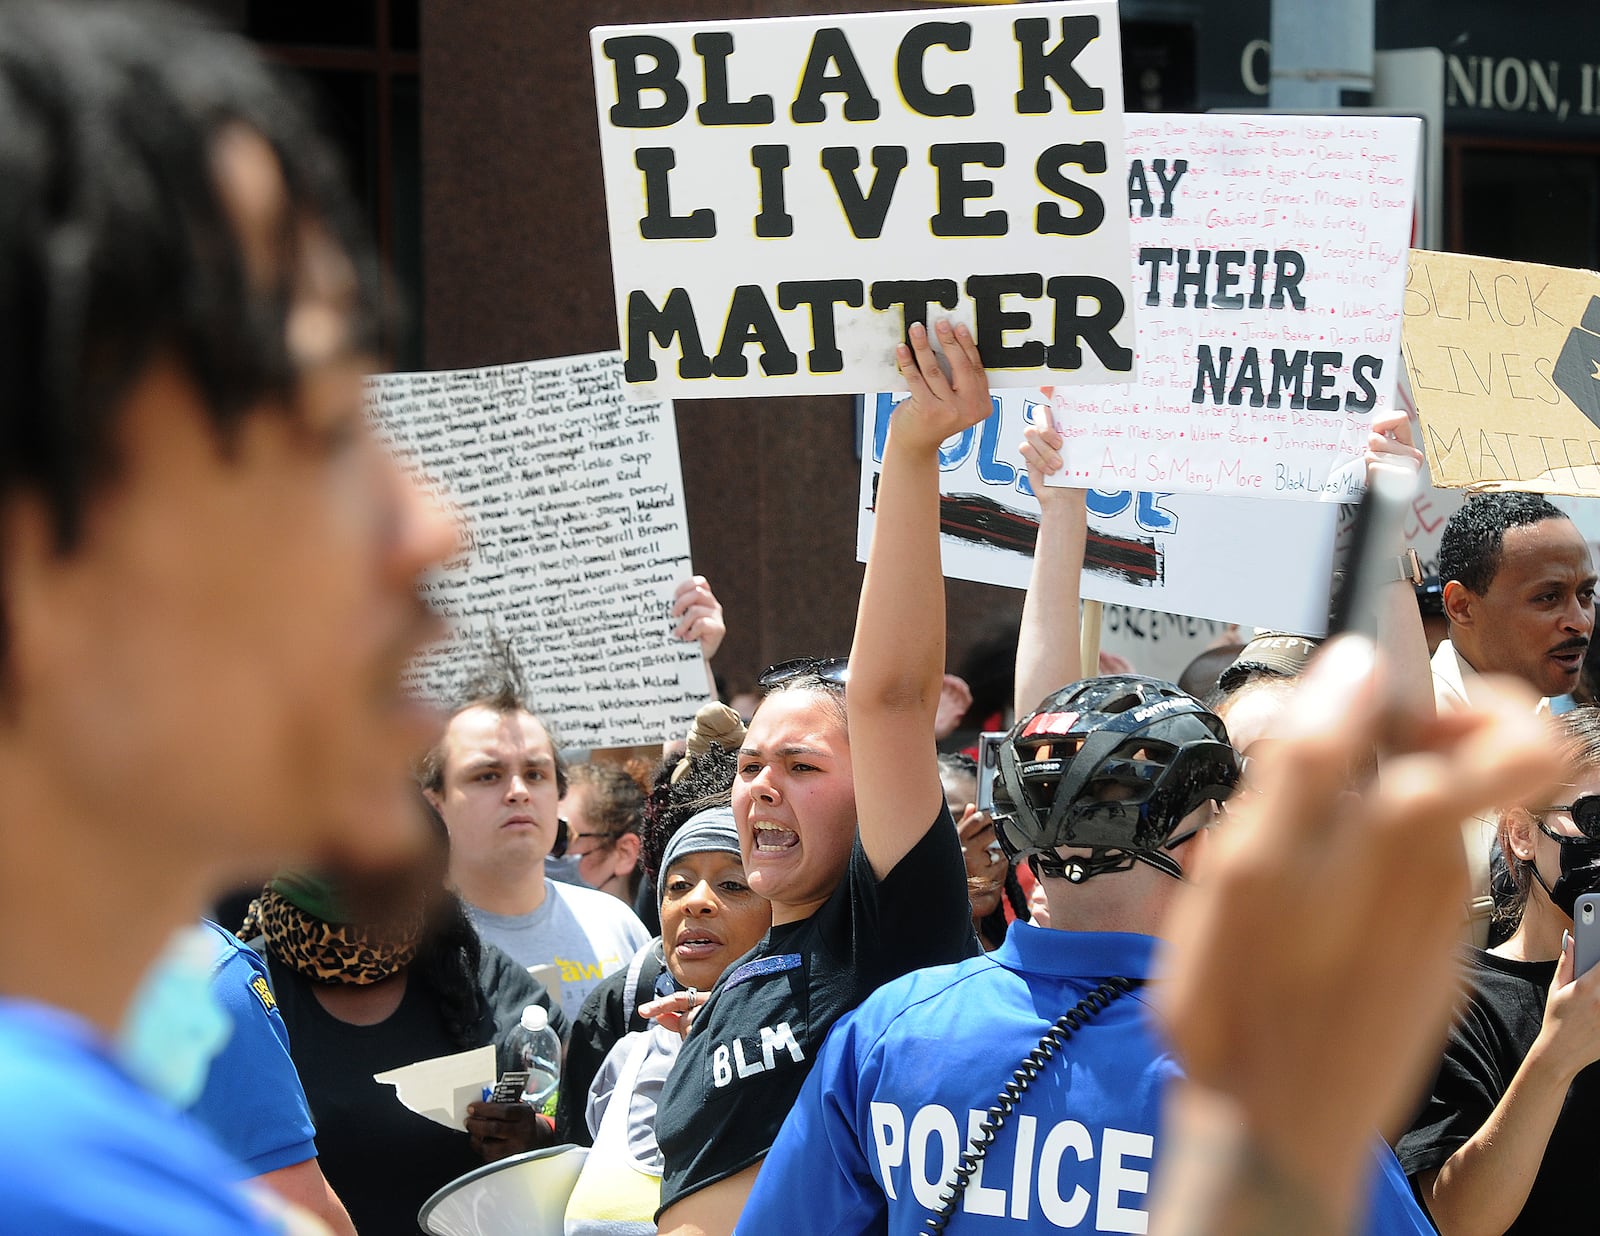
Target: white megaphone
point(525, 1195)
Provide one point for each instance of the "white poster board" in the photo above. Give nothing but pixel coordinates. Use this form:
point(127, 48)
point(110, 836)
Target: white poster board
point(572, 501)
point(786, 195)
point(1269, 264)
point(1245, 560)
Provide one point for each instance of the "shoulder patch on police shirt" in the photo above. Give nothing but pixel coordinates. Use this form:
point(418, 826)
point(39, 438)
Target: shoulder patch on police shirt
point(761, 967)
point(263, 990)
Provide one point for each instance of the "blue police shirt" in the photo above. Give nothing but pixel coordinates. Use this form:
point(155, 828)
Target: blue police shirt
point(902, 1084)
point(253, 1103)
point(87, 1152)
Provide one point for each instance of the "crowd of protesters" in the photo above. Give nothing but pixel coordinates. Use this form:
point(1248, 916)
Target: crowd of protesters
point(1196, 968)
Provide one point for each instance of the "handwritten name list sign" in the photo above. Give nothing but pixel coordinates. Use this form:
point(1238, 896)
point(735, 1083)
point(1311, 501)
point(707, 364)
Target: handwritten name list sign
point(787, 195)
point(1269, 260)
point(572, 500)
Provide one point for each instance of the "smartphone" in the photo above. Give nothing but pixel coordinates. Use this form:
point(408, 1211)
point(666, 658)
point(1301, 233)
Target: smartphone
point(1585, 933)
point(988, 765)
point(1380, 522)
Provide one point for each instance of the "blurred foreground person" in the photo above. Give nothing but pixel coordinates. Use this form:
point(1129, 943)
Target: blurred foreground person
point(1348, 909)
point(1506, 1139)
point(207, 570)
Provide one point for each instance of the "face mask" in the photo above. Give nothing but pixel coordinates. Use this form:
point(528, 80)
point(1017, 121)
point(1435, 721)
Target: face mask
point(174, 1028)
point(1580, 872)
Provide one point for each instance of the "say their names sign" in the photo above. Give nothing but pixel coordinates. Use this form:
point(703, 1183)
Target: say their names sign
point(1504, 359)
point(787, 196)
point(1269, 257)
point(1241, 560)
point(571, 500)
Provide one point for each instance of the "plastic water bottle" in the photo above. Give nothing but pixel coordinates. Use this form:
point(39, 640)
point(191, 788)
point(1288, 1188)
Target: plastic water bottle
point(537, 1048)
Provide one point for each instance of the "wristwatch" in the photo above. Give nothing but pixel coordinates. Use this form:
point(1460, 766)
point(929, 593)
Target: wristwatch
point(1408, 569)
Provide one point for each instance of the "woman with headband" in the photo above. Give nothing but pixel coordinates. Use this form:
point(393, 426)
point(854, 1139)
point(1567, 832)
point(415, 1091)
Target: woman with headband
point(709, 919)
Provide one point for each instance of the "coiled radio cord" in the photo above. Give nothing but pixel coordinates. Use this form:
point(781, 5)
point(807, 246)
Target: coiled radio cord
point(1053, 1040)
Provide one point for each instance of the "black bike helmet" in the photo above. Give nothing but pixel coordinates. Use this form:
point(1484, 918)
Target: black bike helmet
point(1168, 751)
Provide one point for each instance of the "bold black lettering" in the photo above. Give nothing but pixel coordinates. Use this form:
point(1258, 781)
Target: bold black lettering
point(992, 322)
point(1048, 219)
point(1291, 268)
point(714, 47)
point(908, 62)
point(1155, 259)
point(1191, 277)
point(674, 320)
point(1212, 372)
point(1258, 260)
point(1323, 377)
point(1139, 190)
point(1040, 66)
point(659, 223)
point(1248, 378)
point(751, 320)
point(950, 160)
point(914, 296)
point(629, 111)
point(1362, 374)
point(773, 219)
point(1168, 185)
point(829, 46)
point(818, 294)
point(865, 212)
point(1288, 374)
point(1094, 328)
point(1221, 297)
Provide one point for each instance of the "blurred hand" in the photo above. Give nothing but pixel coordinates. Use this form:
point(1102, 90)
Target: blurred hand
point(1392, 443)
point(499, 1130)
point(940, 406)
point(1311, 975)
point(1115, 663)
point(955, 697)
point(699, 615)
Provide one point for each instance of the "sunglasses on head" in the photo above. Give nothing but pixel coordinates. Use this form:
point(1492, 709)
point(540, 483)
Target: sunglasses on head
point(1585, 813)
point(829, 669)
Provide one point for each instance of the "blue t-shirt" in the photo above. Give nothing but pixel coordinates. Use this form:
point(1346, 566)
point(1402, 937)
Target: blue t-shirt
point(86, 1152)
point(253, 1103)
point(903, 1082)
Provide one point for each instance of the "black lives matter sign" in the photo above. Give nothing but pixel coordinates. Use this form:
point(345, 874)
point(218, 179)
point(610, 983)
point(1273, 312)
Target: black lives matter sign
point(787, 196)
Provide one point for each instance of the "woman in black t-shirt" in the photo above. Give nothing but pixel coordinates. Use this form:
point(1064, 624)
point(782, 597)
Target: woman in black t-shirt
point(843, 826)
point(375, 971)
point(1505, 1142)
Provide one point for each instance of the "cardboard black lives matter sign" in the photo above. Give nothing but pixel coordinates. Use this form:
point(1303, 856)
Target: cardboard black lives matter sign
point(786, 195)
point(1504, 361)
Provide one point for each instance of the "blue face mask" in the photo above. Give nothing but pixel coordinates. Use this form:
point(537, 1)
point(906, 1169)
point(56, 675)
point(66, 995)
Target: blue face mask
point(174, 1027)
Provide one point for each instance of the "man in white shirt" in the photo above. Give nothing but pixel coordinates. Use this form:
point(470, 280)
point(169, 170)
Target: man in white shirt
point(1518, 593)
point(497, 780)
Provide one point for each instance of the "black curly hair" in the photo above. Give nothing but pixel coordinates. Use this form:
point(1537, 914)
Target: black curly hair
point(1469, 549)
point(116, 245)
point(707, 783)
